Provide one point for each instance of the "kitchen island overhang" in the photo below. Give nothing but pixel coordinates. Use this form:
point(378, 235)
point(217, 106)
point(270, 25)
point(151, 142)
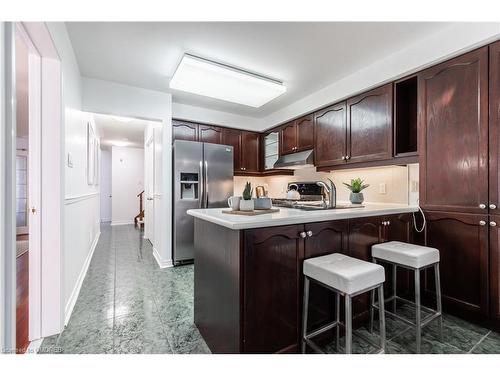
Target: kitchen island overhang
point(248, 269)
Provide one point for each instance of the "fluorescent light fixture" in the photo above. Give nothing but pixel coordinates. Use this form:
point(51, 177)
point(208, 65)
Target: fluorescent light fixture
point(122, 119)
point(120, 143)
point(208, 78)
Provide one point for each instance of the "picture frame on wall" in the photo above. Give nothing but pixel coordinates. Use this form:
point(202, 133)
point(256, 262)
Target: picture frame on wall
point(91, 146)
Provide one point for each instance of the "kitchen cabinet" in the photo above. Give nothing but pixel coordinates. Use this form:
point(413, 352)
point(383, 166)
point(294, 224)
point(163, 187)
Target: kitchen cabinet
point(271, 149)
point(210, 134)
point(245, 147)
point(369, 124)
point(405, 117)
point(494, 129)
point(330, 132)
point(184, 130)
point(271, 288)
point(462, 241)
point(495, 268)
point(453, 123)
point(297, 135)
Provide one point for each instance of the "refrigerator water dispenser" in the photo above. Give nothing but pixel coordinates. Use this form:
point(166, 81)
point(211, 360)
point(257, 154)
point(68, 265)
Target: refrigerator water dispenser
point(189, 185)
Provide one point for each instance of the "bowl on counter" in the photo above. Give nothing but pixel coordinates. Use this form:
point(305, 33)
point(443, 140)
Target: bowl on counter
point(262, 203)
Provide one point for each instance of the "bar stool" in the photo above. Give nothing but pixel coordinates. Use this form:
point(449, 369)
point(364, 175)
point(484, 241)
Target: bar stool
point(348, 277)
point(415, 258)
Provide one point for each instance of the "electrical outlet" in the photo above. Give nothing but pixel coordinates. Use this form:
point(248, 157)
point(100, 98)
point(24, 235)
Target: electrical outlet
point(382, 188)
point(414, 187)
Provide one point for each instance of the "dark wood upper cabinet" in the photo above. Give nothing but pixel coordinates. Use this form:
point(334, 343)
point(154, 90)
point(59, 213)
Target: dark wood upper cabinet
point(184, 130)
point(494, 128)
point(463, 246)
point(495, 268)
point(250, 156)
point(288, 138)
point(369, 119)
point(405, 117)
point(232, 137)
point(453, 134)
point(271, 288)
point(330, 131)
point(305, 133)
point(297, 135)
point(210, 134)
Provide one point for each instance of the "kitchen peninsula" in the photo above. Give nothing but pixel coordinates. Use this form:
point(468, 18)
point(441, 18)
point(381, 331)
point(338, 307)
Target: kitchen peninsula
point(248, 270)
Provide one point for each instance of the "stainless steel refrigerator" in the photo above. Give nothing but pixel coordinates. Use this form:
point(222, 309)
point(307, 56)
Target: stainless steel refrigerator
point(203, 178)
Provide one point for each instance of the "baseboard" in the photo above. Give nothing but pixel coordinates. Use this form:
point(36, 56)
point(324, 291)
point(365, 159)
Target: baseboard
point(34, 346)
point(128, 222)
point(76, 290)
point(162, 263)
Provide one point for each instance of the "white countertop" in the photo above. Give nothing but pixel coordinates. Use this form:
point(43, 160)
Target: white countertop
point(287, 216)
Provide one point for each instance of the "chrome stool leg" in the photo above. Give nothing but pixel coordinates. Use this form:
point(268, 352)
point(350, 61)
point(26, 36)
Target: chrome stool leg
point(394, 286)
point(348, 324)
point(372, 310)
point(381, 317)
point(418, 327)
point(337, 318)
point(304, 314)
point(438, 300)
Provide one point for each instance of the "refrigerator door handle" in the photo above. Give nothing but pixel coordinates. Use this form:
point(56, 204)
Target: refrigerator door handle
point(201, 185)
point(206, 184)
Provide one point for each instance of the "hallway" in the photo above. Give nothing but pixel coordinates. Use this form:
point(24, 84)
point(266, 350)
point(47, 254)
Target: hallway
point(127, 304)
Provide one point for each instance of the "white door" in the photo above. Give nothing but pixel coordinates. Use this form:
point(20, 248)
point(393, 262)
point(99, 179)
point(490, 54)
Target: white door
point(105, 183)
point(149, 189)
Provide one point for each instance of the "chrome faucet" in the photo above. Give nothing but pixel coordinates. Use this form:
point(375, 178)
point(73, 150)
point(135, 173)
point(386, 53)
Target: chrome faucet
point(332, 193)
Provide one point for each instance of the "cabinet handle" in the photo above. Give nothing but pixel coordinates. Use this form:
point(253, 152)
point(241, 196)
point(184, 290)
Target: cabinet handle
point(343, 157)
point(482, 222)
point(482, 206)
point(493, 206)
point(388, 222)
point(347, 157)
point(302, 234)
point(309, 233)
point(493, 224)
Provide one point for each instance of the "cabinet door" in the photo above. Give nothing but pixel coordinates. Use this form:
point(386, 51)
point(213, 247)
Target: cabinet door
point(327, 238)
point(250, 151)
point(232, 137)
point(495, 268)
point(271, 288)
point(453, 123)
point(210, 134)
point(463, 247)
point(186, 131)
point(330, 132)
point(494, 124)
point(363, 234)
point(288, 138)
point(369, 119)
point(305, 133)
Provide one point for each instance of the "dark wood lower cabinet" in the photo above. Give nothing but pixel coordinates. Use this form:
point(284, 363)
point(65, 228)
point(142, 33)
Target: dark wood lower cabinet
point(272, 271)
point(463, 245)
point(495, 269)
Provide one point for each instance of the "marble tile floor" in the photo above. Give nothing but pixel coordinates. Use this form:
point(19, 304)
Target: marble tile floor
point(127, 304)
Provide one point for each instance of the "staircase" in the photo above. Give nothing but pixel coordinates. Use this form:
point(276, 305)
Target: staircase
point(139, 218)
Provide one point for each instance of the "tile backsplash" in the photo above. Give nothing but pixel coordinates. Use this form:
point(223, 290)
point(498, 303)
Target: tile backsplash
point(391, 184)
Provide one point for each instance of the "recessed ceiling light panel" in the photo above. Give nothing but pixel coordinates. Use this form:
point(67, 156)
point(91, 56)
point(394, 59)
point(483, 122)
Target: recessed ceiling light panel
point(207, 78)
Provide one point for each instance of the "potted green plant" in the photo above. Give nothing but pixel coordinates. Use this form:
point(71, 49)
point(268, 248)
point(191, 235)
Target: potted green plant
point(247, 204)
point(356, 186)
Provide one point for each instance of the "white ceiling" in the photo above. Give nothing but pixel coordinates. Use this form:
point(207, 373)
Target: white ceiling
point(305, 56)
point(111, 129)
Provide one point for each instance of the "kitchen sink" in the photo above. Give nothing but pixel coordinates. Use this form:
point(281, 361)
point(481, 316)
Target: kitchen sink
point(310, 207)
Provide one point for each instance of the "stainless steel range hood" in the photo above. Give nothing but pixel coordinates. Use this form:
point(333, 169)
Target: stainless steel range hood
point(296, 160)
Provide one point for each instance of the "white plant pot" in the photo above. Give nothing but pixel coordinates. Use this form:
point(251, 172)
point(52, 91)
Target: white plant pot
point(246, 205)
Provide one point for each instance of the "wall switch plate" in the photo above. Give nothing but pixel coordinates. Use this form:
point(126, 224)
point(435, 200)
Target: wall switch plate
point(70, 161)
point(382, 188)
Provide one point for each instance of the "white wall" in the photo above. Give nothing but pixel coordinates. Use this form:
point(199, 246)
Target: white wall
point(117, 99)
point(81, 214)
point(105, 183)
point(127, 181)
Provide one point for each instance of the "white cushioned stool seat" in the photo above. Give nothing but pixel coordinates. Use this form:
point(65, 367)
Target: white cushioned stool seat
point(406, 254)
point(346, 274)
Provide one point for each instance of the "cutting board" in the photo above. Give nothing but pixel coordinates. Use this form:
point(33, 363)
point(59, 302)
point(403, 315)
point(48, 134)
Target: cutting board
point(251, 213)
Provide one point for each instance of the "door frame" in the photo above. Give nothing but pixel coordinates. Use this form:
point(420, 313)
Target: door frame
point(46, 312)
point(149, 186)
